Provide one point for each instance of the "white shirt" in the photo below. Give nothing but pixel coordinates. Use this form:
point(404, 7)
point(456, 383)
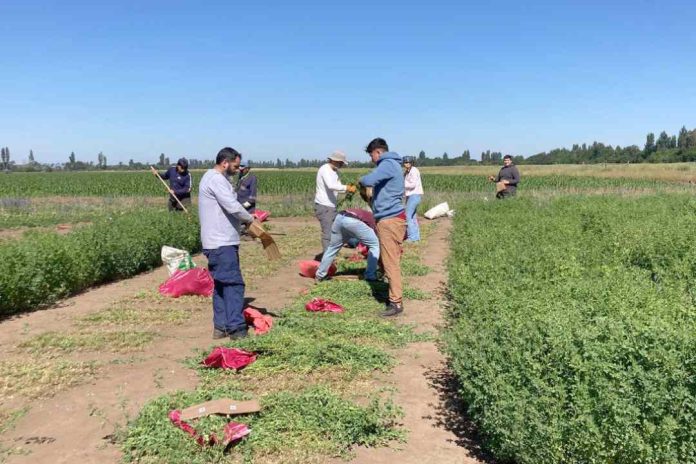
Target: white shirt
point(327, 186)
point(412, 182)
point(219, 211)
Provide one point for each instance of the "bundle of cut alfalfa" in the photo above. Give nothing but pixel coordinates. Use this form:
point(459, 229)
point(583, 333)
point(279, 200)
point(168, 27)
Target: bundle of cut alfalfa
point(256, 230)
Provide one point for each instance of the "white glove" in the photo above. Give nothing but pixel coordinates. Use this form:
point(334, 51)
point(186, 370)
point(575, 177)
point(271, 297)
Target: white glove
point(246, 204)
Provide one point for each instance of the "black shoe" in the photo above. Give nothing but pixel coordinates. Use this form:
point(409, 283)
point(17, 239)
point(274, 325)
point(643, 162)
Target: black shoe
point(393, 309)
point(218, 334)
point(239, 334)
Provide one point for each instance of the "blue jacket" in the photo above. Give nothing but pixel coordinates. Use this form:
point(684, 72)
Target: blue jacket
point(180, 183)
point(246, 190)
point(387, 182)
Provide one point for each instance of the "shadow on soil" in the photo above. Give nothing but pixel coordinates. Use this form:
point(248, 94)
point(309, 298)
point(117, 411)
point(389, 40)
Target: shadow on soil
point(450, 414)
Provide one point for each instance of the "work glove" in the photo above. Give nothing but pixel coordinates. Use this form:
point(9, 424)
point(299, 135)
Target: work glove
point(246, 204)
point(351, 188)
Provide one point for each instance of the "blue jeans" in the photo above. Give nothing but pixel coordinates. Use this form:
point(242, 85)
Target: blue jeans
point(343, 229)
point(413, 231)
point(228, 297)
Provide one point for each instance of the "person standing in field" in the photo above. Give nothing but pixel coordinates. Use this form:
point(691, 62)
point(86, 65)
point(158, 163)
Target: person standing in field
point(414, 194)
point(387, 182)
point(246, 188)
point(352, 224)
point(328, 185)
point(507, 179)
point(180, 185)
point(221, 216)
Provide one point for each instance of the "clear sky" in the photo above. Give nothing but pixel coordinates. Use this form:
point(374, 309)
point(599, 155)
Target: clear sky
point(300, 79)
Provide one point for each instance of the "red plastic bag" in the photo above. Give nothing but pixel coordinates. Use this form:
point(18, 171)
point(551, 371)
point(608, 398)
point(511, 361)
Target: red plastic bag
point(310, 268)
point(197, 281)
point(234, 431)
point(261, 215)
point(362, 249)
point(324, 306)
point(229, 358)
point(262, 322)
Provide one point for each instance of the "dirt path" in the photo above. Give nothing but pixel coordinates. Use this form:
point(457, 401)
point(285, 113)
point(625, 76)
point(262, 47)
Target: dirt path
point(438, 431)
point(77, 424)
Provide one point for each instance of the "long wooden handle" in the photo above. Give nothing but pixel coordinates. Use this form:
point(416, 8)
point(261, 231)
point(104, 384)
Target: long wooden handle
point(168, 189)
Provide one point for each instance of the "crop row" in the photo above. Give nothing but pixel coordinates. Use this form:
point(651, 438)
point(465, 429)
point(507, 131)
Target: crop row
point(19, 185)
point(573, 328)
point(44, 266)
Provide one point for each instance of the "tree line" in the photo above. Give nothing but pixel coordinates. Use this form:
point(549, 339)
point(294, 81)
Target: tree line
point(663, 149)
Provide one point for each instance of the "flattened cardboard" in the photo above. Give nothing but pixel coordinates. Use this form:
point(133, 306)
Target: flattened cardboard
point(224, 406)
point(500, 186)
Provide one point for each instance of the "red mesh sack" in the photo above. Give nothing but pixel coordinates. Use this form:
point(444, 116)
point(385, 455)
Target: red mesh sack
point(262, 322)
point(229, 358)
point(261, 215)
point(196, 281)
point(233, 431)
point(362, 249)
point(323, 306)
point(309, 269)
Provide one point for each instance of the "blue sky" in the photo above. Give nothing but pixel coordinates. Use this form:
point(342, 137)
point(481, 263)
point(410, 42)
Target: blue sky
point(292, 79)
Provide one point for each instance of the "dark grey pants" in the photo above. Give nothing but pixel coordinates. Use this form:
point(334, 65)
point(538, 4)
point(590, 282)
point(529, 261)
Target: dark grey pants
point(326, 216)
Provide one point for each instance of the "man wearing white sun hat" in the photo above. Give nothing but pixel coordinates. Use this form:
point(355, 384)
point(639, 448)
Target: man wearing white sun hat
point(328, 185)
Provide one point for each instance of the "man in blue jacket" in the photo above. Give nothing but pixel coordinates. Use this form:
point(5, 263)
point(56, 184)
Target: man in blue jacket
point(246, 187)
point(180, 184)
point(387, 182)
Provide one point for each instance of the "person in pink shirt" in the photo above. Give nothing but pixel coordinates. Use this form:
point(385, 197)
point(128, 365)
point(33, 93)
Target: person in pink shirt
point(414, 193)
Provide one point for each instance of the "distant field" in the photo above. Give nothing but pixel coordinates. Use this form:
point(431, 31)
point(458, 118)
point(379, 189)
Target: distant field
point(284, 182)
point(672, 172)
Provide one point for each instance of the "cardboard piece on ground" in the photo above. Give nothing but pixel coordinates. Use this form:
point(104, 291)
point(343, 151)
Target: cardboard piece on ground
point(222, 406)
point(499, 187)
point(256, 230)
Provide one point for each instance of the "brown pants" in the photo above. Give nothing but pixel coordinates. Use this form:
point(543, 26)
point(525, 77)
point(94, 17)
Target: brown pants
point(390, 233)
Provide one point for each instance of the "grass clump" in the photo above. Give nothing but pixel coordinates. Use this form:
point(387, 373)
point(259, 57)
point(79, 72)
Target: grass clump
point(292, 428)
point(37, 378)
point(122, 341)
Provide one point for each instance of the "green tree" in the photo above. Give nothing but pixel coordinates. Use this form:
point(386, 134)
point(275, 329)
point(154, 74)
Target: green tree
point(72, 159)
point(445, 157)
point(649, 144)
point(683, 137)
point(161, 160)
point(31, 157)
point(421, 155)
point(466, 156)
point(663, 141)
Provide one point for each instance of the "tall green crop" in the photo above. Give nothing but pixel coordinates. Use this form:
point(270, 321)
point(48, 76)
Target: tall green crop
point(573, 327)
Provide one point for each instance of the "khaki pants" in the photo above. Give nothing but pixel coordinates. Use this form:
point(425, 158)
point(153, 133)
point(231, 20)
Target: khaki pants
point(391, 234)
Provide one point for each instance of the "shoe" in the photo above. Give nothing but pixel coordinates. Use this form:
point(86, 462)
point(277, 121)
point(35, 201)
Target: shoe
point(239, 334)
point(393, 309)
point(218, 334)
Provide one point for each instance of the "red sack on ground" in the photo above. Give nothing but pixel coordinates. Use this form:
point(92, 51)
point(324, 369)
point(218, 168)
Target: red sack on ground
point(261, 215)
point(234, 431)
point(362, 249)
point(309, 269)
point(196, 281)
point(229, 358)
point(324, 306)
point(262, 322)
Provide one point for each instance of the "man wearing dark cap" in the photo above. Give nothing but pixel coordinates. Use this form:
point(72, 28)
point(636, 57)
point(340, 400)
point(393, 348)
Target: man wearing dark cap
point(180, 184)
point(246, 187)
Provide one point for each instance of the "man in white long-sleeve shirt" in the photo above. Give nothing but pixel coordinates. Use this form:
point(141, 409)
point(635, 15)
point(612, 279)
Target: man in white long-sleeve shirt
point(221, 217)
point(328, 185)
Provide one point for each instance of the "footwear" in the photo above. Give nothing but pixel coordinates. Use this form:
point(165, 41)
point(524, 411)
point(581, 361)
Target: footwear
point(393, 309)
point(239, 334)
point(218, 334)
